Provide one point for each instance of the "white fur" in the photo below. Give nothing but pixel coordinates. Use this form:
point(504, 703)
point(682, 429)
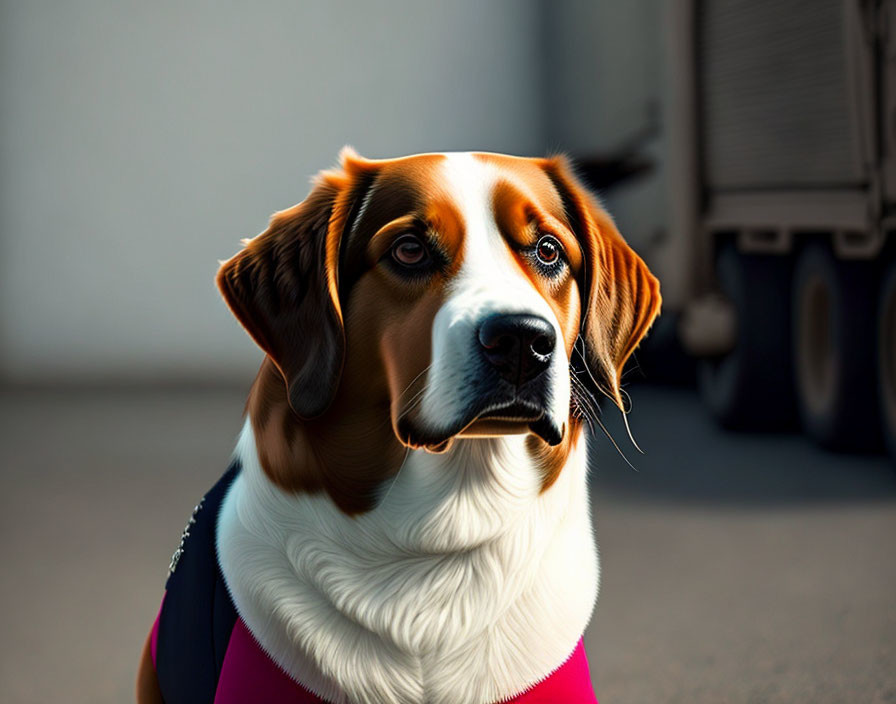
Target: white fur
point(466, 583)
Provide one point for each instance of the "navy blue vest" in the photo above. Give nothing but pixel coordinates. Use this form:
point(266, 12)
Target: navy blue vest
point(198, 614)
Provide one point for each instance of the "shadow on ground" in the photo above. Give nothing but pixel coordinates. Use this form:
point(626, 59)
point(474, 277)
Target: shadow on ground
point(688, 458)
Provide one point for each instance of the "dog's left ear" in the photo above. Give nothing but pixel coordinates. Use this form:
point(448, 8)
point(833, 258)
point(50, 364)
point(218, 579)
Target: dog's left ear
point(620, 297)
point(283, 286)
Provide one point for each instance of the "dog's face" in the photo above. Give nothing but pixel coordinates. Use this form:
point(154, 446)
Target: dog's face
point(449, 291)
point(464, 283)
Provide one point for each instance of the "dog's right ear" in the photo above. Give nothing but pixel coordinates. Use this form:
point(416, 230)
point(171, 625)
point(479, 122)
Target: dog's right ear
point(283, 287)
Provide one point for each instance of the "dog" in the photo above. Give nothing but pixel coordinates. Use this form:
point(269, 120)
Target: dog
point(406, 518)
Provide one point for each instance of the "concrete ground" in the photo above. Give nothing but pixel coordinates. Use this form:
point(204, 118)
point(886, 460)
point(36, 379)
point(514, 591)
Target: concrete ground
point(735, 568)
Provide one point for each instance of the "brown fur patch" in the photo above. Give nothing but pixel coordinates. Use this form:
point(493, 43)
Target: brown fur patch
point(552, 460)
point(529, 174)
point(148, 691)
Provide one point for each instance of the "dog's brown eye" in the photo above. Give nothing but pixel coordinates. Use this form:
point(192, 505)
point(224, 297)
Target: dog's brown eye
point(408, 250)
point(548, 250)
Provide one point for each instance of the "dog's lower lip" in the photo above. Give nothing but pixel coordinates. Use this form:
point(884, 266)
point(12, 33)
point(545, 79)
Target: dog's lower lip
point(514, 411)
point(537, 420)
point(547, 431)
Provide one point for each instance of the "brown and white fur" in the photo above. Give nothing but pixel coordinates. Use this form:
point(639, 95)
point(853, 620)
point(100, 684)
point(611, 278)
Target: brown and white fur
point(395, 535)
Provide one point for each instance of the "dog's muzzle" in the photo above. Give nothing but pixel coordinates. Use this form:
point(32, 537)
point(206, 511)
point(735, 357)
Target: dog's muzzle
point(517, 349)
point(507, 388)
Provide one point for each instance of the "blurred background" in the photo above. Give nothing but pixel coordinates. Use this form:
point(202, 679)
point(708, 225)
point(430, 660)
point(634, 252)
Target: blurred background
point(747, 149)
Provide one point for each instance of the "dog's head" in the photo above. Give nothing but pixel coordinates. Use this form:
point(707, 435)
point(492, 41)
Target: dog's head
point(449, 291)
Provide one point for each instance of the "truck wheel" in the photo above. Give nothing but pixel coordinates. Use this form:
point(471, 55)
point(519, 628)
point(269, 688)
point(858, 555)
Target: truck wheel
point(833, 322)
point(886, 355)
point(751, 387)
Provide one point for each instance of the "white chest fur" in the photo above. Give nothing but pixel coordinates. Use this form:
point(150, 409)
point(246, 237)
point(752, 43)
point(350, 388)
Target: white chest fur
point(465, 583)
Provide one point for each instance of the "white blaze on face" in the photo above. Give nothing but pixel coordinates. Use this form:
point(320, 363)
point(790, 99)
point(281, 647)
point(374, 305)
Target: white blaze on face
point(489, 282)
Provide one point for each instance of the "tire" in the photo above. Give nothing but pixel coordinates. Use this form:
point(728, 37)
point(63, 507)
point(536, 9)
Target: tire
point(886, 355)
point(833, 326)
point(751, 387)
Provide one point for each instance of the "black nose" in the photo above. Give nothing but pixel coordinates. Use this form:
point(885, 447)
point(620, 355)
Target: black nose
point(518, 346)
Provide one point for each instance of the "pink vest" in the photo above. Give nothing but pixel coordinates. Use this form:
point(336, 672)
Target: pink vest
point(249, 675)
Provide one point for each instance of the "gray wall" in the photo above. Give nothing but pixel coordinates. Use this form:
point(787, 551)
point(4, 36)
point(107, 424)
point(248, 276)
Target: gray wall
point(604, 60)
point(141, 141)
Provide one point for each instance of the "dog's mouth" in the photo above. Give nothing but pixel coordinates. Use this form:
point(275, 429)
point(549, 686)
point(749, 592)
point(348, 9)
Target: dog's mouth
point(515, 417)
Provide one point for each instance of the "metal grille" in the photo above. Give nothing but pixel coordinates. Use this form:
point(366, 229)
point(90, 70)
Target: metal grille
point(775, 100)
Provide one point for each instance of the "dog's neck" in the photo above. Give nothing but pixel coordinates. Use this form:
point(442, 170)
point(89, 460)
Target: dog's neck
point(467, 581)
point(347, 453)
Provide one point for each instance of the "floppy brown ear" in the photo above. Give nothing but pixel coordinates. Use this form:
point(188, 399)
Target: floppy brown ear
point(620, 297)
point(283, 289)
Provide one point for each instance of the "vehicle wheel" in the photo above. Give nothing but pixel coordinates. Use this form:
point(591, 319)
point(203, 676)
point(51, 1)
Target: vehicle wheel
point(751, 387)
point(886, 355)
point(833, 324)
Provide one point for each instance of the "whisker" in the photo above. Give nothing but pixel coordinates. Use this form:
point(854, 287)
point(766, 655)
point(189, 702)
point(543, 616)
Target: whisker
point(634, 367)
point(415, 401)
point(629, 431)
point(621, 454)
point(622, 392)
point(584, 358)
point(585, 405)
point(626, 408)
point(588, 398)
point(584, 398)
point(408, 387)
point(388, 419)
point(584, 388)
point(407, 453)
point(581, 412)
